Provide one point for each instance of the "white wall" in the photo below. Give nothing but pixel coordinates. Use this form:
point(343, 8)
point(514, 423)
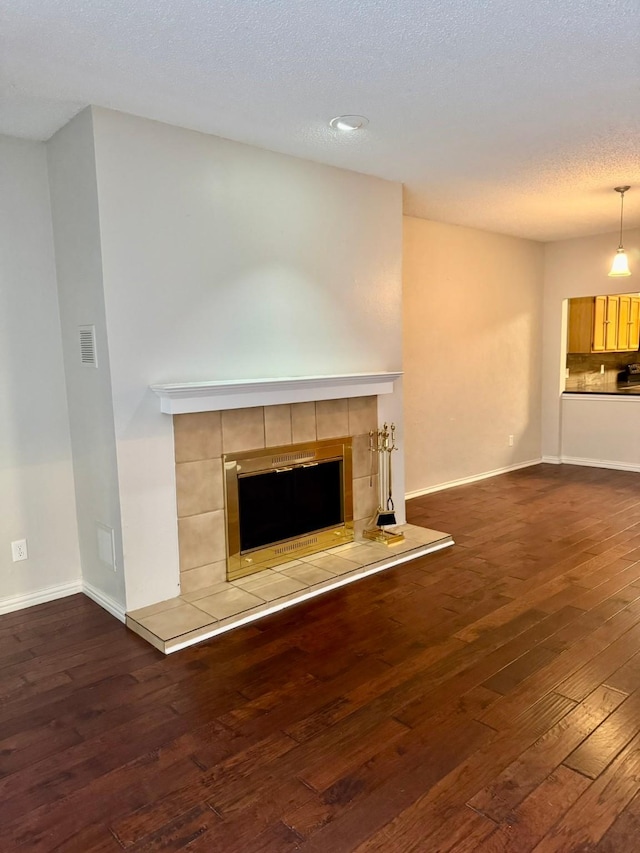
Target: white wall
point(79, 271)
point(472, 352)
point(36, 483)
point(577, 267)
point(225, 261)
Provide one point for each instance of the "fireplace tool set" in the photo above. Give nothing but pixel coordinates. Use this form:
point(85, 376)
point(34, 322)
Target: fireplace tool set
point(382, 443)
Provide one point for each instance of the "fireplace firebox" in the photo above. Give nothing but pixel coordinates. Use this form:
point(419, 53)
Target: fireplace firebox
point(287, 502)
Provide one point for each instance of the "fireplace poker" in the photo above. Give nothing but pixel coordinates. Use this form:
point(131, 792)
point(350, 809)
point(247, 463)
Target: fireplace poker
point(384, 447)
point(390, 506)
point(373, 460)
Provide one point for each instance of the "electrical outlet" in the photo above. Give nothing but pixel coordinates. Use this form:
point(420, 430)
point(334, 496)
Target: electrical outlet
point(19, 550)
point(510, 441)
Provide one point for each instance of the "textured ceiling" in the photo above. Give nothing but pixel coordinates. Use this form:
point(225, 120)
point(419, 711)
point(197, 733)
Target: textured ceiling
point(517, 116)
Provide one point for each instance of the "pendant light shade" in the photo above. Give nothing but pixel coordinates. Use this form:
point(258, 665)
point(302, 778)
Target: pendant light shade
point(620, 265)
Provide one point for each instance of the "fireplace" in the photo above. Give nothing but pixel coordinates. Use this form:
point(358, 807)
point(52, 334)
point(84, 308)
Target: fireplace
point(209, 430)
point(286, 502)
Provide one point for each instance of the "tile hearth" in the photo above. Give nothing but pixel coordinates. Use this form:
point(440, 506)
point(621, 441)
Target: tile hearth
point(199, 615)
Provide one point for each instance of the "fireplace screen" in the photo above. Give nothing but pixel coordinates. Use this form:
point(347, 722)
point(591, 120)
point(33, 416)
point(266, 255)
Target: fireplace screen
point(285, 502)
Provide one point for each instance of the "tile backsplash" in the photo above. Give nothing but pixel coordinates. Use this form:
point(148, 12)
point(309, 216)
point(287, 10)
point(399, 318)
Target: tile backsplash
point(585, 367)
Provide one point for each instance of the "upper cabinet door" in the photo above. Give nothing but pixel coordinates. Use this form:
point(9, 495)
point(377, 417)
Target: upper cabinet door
point(624, 323)
point(580, 325)
point(599, 323)
point(611, 332)
point(634, 324)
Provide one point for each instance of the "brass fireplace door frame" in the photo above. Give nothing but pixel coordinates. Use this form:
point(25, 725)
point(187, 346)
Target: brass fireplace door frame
point(240, 563)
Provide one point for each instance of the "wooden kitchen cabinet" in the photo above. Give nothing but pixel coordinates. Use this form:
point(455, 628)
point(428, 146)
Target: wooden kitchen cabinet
point(629, 323)
point(599, 324)
point(612, 314)
point(581, 320)
point(634, 324)
point(604, 323)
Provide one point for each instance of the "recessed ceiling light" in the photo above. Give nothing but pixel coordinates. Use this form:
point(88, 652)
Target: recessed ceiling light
point(349, 122)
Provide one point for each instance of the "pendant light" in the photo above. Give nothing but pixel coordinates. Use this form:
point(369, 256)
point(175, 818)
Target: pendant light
point(620, 265)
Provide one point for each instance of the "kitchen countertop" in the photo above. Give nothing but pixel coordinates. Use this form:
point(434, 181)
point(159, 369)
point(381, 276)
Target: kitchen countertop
point(603, 388)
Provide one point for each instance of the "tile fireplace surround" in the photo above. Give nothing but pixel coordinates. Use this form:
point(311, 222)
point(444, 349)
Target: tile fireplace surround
point(208, 604)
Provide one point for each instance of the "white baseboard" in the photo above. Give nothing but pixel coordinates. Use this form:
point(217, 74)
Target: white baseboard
point(600, 463)
point(104, 601)
point(552, 460)
point(49, 593)
point(62, 590)
point(464, 481)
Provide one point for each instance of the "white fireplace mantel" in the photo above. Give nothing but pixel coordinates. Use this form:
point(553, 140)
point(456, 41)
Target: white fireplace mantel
point(181, 398)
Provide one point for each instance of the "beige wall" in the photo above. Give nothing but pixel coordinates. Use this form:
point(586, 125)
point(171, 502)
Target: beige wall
point(36, 477)
point(472, 352)
point(576, 267)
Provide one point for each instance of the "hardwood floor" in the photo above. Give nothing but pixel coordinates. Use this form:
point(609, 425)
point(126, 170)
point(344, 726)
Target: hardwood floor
point(486, 698)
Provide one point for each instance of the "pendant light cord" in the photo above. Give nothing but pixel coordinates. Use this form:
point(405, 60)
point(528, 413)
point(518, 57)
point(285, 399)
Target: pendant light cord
point(621, 213)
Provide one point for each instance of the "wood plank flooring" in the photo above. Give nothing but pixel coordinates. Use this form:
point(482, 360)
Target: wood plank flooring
point(486, 698)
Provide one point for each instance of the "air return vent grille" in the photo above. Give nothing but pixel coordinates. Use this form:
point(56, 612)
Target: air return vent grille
point(293, 457)
point(295, 546)
point(88, 345)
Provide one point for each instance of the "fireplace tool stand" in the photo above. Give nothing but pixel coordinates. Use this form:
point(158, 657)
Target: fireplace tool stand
point(381, 445)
